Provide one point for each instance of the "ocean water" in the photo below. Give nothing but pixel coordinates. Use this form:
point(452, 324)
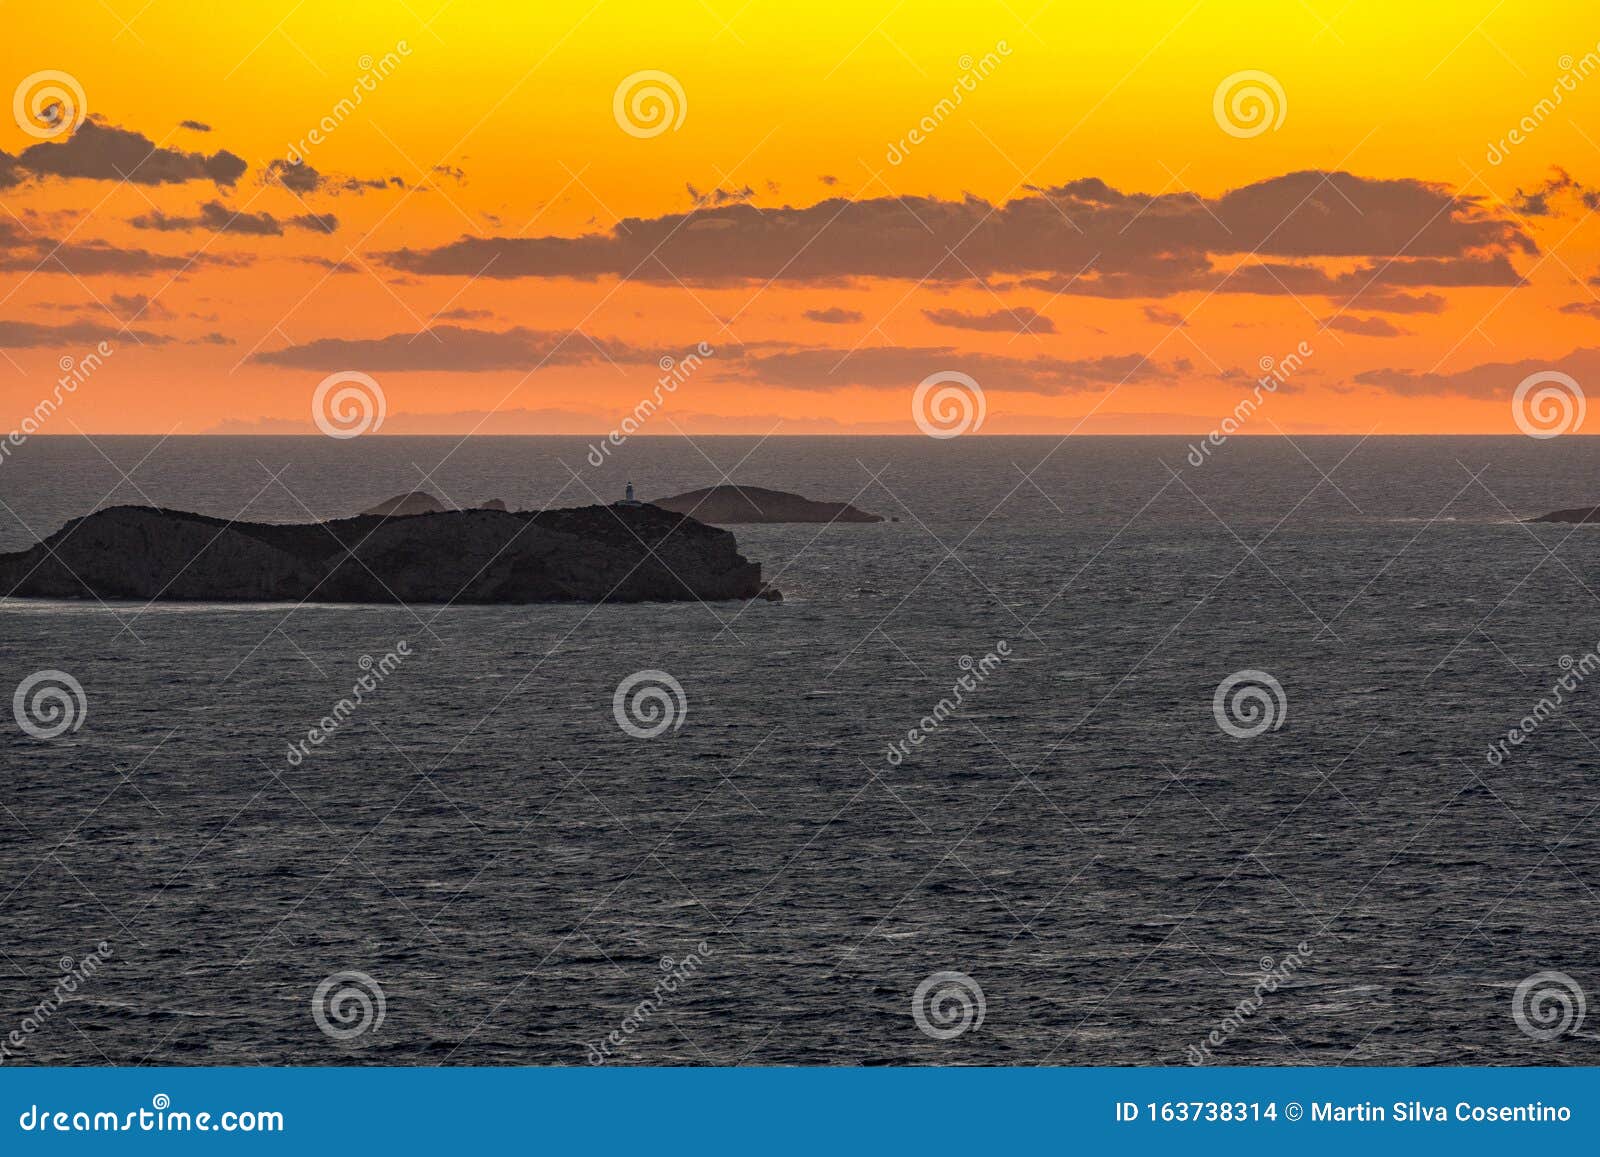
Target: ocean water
point(1113, 875)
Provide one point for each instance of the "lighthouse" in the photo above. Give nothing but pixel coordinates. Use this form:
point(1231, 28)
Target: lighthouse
point(629, 499)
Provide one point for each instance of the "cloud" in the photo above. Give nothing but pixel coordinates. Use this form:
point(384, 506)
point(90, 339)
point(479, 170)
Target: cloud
point(218, 218)
point(467, 314)
point(1364, 326)
point(29, 335)
point(90, 258)
point(1022, 319)
point(302, 178)
point(896, 367)
point(1168, 317)
point(11, 173)
point(102, 152)
point(457, 349)
point(1084, 236)
point(834, 316)
point(195, 126)
point(1489, 381)
point(1583, 308)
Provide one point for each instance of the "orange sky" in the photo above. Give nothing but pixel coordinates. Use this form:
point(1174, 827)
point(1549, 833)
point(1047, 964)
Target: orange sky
point(496, 123)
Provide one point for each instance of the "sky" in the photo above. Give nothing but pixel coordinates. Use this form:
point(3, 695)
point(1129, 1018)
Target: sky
point(507, 217)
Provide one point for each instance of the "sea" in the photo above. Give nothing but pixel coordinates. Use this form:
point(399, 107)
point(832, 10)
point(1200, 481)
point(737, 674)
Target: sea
point(1096, 751)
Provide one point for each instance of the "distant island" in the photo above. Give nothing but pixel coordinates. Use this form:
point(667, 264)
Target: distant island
point(421, 502)
point(728, 505)
point(1577, 514)
point(617, 554)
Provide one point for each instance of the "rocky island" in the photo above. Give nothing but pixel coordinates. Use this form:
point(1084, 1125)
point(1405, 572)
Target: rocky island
point(728, 505)
point(617, 554)
point(1578, 514)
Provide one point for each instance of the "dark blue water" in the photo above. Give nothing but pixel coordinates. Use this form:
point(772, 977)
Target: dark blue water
point(1079, 838)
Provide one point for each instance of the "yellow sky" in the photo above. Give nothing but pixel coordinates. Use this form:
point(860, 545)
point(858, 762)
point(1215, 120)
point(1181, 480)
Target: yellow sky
point(519, 99)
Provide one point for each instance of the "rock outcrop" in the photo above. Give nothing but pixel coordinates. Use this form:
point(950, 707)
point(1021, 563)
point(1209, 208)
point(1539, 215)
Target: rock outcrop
point(589, 554)
point(405, 505)
point(493, 504)
point(1579, 514)
point(728, 505)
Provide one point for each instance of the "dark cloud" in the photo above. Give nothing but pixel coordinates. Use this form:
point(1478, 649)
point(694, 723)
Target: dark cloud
point(1583, 308)
point(467, 314)
point(1490, 381)
point(719, 196)
point(834, 316)
point(195, 126)
point(895, 367)
point(29, 335)
point(1364, 326)
point(1108, 243)
point(89, 258)
point(1166, 317)
point(99, 151)
point(302, 178)
point(137, 305)
point(1019, 320)
point(11, 173)
point(454, 348)
point(218, 218)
